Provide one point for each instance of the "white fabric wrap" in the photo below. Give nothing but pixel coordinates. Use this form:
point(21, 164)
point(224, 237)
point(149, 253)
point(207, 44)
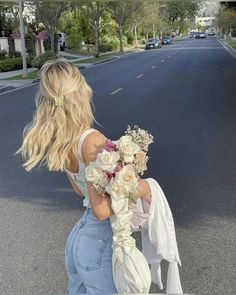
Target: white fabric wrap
point(131, 272)
point(156, 223)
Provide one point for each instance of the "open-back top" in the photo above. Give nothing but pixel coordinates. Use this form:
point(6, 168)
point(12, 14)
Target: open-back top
point(79, 177)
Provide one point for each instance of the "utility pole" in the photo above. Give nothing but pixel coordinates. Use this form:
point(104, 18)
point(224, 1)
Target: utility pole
point(22, 37)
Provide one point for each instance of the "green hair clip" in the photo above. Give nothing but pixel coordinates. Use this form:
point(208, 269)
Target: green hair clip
point(58, 100)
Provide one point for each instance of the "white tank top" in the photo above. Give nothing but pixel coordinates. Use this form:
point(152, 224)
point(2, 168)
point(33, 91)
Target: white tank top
point(79, 177)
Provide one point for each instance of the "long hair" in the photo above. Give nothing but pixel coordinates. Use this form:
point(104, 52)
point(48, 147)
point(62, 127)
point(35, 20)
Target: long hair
point(53, 135)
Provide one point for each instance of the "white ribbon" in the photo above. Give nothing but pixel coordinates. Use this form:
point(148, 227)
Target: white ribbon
point(131, 272)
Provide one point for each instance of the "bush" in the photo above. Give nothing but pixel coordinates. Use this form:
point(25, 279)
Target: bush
point(105, 47)
point(30, 45)
point(74, 39)
point(130, 38)
point(42, 58)
point(10, 64)
point(233, 32)
point(15, 54)
point(112, 42)
point(3, 54)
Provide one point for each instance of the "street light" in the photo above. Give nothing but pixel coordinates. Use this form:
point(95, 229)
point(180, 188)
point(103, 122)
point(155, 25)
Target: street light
point(22, 37)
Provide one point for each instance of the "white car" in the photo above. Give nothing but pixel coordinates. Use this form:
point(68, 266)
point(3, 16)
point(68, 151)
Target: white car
point(62, 40)
point(202, 35)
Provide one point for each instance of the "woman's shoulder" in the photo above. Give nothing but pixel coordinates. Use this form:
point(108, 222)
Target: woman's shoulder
point(93, 143)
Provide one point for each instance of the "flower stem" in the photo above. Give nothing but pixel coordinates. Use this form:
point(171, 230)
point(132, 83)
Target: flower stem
point(131, 198)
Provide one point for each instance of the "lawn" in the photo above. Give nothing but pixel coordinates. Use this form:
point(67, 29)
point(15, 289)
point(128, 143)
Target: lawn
point(231, 43)
point(31, 75)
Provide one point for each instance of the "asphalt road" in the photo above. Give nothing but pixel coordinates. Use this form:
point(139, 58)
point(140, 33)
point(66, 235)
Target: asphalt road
point(184, 94)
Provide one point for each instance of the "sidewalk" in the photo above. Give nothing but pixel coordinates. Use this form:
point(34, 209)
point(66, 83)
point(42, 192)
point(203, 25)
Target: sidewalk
point(6, 85)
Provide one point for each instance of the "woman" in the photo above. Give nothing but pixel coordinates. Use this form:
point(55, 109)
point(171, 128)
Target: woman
point(60, 135)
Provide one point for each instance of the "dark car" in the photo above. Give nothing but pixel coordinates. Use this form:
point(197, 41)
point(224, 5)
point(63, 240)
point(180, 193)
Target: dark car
point(167, 40)
point(153, 43)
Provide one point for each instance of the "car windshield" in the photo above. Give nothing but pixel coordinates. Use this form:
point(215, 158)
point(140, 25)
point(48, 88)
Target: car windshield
point(151, 40)
point(166, 37)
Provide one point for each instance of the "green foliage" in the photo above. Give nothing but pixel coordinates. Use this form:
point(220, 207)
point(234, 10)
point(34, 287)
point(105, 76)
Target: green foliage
point(47, 43)
point(15, 54)
point(42, 58)
point(30, 44)
point(226, 20)
point(10, 64)
point(105, 47)
point(124, 40)
point(179, 10)
point(3, 54)
point(74, 38)
point(111, 41)
point(130, 38)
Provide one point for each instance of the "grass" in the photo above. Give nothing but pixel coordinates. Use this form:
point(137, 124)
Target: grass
point(101, 57)
point(231, 43)
point(31, 75)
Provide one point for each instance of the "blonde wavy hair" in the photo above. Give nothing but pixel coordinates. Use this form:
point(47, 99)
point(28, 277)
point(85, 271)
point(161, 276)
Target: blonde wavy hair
point(53, 135)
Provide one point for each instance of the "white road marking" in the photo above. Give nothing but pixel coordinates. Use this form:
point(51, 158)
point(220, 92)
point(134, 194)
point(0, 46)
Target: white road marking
point(117, 90)
point(153, 67)
point(139, 76)
point(18, 88)
point(162, 60)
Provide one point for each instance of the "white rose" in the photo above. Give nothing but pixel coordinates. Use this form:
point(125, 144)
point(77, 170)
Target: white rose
point(127, 146)
point(107, 160)
point(128, 158)
point(116, 190)
point(96, 175)
point(127, 179)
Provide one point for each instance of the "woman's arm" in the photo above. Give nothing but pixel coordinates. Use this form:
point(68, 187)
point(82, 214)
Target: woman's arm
point(75, 187)
point(101, 204)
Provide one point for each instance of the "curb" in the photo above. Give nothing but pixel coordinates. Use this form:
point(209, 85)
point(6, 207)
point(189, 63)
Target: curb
point(81, 67)
point(230, 49)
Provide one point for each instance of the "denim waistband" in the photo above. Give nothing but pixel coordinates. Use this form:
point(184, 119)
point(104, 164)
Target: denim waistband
point(89, 218)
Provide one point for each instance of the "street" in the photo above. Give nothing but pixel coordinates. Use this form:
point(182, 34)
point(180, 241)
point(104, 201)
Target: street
point(184, 94)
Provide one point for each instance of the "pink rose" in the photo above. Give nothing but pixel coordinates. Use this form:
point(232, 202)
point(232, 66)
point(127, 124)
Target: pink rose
point(110, 146)
point(118, 167)
point(110, 175)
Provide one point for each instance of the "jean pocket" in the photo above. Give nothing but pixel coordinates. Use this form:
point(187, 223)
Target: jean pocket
point(89, 250)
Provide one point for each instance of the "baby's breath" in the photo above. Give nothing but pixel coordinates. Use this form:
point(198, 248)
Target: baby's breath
point(140, 136)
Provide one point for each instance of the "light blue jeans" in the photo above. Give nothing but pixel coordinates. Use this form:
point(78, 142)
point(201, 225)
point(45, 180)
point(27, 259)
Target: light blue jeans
point(88, 256)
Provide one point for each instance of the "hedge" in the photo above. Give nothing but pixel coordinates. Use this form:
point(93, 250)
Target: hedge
point(14, 63)
point(42, 58)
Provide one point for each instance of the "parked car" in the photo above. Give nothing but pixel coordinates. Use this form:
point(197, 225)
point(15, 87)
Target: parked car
point(167, 40)
point(192, 34)
point(211, 34)
point(153, 43)
point(62, 40)
point(200, 35)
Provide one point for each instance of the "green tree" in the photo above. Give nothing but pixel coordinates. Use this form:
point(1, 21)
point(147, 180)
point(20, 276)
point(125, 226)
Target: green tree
point(123, 11)
point(49, 12)
point(226, 20)
point(94, 10)
point(180, 10)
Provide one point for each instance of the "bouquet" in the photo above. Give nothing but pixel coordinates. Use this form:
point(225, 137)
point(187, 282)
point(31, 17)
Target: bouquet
point(118, 166)
point(117, 171)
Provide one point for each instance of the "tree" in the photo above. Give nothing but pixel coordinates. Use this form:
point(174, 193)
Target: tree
point(94, 9)
point(122, 11)
point(226, 20)
point(180, 10)
point(48, 12)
